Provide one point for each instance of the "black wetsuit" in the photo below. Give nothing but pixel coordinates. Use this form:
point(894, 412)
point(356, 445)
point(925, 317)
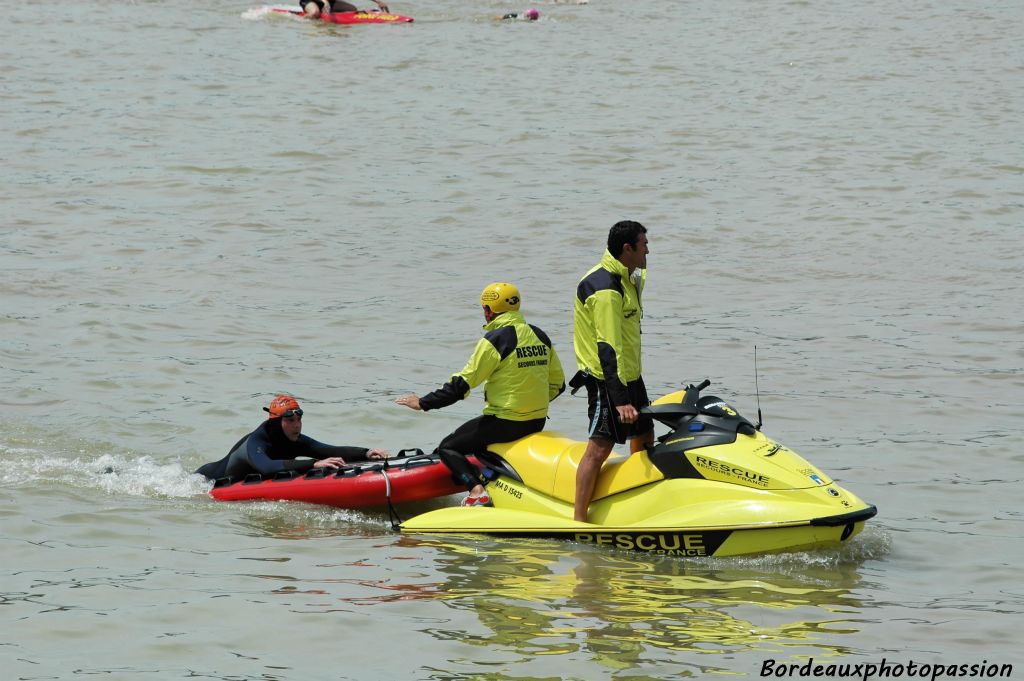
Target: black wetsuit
point(267, 450)
point(473, 437)
point(334, 6)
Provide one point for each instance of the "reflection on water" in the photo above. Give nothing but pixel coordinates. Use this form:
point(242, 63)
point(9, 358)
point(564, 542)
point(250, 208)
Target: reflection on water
point(294, 520)
point(285, 520)
point(538, 598)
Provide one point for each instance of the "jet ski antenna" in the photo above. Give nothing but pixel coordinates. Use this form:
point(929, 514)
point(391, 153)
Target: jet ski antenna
point(757, 391)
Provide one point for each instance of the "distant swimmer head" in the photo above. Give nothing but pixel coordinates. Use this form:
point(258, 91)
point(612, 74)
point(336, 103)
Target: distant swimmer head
point(529, 15)
point(284, 405)
point(500, 297)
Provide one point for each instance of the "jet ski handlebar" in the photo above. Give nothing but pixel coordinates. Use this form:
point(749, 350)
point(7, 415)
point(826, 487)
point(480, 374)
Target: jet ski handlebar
point(669, 414)
point(711, 411)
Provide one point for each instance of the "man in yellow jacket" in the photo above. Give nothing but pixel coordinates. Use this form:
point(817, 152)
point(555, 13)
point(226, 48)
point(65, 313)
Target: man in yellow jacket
point(606, 337)
point(523, 374)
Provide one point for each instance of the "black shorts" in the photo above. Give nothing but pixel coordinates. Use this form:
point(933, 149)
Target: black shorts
point(604, 418)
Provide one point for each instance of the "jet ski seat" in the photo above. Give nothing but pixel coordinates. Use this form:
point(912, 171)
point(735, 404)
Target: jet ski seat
point(547, 462)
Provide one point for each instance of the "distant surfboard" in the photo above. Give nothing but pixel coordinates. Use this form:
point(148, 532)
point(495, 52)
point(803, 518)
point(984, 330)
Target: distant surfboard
point(348, 18)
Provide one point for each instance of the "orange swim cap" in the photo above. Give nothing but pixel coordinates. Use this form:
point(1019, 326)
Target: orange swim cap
point(281, 404)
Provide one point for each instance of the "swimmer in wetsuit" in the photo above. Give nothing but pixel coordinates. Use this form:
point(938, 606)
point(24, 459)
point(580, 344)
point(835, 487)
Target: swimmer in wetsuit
point(314, 8)
point(277, 444)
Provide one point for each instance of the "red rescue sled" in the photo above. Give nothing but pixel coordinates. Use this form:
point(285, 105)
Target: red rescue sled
point(360, 17)
point(372, 483)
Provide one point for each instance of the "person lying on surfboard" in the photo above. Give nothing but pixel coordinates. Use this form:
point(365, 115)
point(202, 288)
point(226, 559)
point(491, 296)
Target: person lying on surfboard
point(314, 8)
point(278, 442)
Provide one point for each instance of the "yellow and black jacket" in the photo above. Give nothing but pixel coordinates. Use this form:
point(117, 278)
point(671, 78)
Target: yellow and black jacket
point(521, 368)
point(606, 325)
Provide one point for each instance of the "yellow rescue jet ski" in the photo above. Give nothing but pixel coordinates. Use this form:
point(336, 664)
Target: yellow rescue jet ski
point(713, 486)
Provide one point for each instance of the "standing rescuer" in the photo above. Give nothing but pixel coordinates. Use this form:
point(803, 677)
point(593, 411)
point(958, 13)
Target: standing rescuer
point(606, 338)
point(523, 375)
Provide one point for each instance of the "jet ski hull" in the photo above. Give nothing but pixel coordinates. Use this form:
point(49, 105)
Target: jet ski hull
point(695, 542)
point(660, 534)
